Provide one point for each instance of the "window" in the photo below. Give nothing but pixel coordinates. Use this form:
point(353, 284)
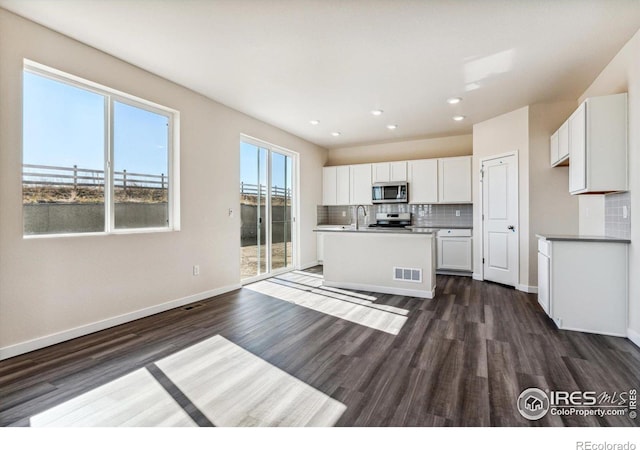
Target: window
point(94, 160)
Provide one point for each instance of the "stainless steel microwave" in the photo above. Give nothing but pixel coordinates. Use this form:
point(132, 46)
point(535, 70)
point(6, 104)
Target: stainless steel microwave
point(394, 192)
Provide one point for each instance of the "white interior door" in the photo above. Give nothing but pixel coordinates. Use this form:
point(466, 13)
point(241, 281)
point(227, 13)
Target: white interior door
point(500, 219)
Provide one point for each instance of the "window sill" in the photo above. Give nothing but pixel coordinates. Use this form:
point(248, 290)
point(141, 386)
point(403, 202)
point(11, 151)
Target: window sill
point(101, 233)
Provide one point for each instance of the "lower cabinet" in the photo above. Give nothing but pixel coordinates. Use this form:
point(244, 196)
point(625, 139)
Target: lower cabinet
point(320, 246)
point(454, 250)
point(544, 275)
point(582, 285)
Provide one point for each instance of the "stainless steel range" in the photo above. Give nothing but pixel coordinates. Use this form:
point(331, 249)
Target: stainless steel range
point(392, 220)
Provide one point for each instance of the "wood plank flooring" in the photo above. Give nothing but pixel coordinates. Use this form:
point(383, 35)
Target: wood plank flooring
point(460, 359)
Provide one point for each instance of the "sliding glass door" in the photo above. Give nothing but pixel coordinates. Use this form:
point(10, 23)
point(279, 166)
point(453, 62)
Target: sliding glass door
point(267, 209)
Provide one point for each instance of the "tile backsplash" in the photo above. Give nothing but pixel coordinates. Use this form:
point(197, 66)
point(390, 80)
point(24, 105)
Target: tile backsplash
point(421, 215)
point(615, 224)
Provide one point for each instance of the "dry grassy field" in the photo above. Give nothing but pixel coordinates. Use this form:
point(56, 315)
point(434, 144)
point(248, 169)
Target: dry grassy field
point(51, 194)
point(249, 259)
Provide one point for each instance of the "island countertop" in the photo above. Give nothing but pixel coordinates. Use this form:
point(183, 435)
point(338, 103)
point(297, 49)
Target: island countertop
point(370, 230)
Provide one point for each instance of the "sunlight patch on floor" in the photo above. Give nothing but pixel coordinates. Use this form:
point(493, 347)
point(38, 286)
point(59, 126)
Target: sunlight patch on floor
point(135, 400)
point(234, 387)
point(305, 291)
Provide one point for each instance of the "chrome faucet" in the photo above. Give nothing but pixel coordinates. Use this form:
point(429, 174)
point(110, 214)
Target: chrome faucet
point(364, 213)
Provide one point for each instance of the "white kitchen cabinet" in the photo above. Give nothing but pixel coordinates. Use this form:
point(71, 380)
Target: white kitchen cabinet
point(553, 148)
point(577, 150)
point(389, 171)
point(398, 171)
point(563, 144)
point(320, 246)
point(544, 276)
point(360, 178)
point(454, 249)
point(582, 284)
point(454, 180)
point(329, 186)
point(423, 181)
point(559, 146)
point(343, 185)
point(598, 145)
point(335, 185)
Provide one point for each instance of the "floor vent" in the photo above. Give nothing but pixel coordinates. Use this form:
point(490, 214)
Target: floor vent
point(407, 274)
point(190, 307)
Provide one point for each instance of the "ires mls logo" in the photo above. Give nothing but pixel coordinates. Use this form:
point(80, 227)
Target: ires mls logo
point(533, 403)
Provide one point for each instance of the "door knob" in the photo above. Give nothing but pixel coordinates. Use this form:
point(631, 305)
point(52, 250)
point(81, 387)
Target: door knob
point(511, 227)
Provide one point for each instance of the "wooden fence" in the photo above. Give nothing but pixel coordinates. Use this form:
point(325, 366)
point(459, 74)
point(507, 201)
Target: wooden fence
point(37, 175)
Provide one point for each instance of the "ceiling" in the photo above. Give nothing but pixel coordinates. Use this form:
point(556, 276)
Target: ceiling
point(287, 62)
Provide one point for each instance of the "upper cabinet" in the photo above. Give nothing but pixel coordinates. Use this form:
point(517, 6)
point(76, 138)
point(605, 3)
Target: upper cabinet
point(335, 185)
point(343, 185)
point(444, 180)
point(563, 144)
point(329, 186)
point(559, 146)
point(360, 177)
point(577, 150)
point(454, 180)
point(597, 133)
point(346, 185)
point(423, 181)
point(389, 171)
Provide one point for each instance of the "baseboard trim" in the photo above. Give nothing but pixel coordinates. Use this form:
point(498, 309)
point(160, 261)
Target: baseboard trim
point(56, 338)
point(477, 276)
point(527, 289)
point(382, 289)
point(633, 336)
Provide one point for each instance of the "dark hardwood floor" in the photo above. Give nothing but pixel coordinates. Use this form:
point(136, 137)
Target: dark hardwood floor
point(460, 359)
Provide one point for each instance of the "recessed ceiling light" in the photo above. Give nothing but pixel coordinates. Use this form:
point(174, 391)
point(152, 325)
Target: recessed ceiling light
point(458, 118)
point(454, 100)
point(314, 122)
point(377, 112)
point(392, 127)
point(335, 133)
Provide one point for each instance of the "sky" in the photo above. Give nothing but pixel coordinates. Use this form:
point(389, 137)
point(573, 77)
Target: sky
point(64, 126)
point(251, 155)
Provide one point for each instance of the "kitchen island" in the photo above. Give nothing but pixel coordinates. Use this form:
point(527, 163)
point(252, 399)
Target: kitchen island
point(388, 261)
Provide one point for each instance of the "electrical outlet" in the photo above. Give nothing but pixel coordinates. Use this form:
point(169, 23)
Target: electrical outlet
point(196, 270)
point(230, 212)
point(344, 214)
point(457, 213)
point(625, 212)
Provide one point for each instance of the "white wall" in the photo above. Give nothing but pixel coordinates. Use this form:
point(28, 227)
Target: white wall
point(503, 134)
point(402, 150)
point(52, 285)
point(552, 210)
point(622, 74)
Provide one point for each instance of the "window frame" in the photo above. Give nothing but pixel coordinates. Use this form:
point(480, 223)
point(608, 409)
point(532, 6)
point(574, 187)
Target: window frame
point(173, 151)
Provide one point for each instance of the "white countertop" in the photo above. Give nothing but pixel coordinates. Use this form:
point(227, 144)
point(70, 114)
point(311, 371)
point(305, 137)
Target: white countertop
point(370, 230)
point(582, 238)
